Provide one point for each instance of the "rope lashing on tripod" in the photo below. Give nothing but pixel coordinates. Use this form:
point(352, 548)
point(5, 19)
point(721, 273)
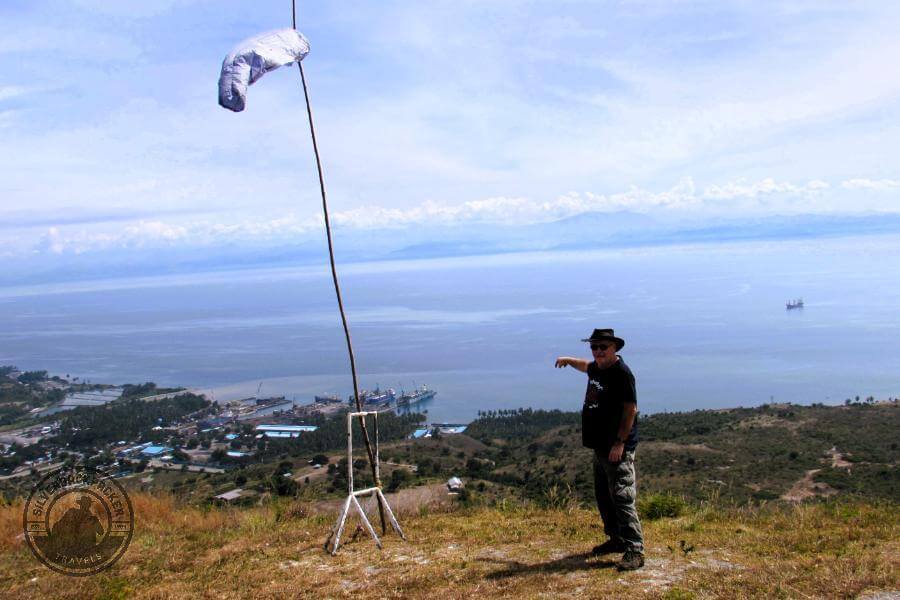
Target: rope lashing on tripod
point(244, 66)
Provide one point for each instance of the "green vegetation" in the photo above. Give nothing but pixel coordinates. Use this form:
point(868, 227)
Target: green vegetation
point(657, 506)
point(124, 420)
point(20, 395)
point(141, 390)
point(332, 435)
point(690, 426)
point(863, 481)
point(518, 424)
point(739, 455)
point(32, 376)
point(743, 455)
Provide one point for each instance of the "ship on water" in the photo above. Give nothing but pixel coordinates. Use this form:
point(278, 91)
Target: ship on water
point(417, 395)
point(380, 399)
point(792, 304)
point(327, 399)
point(376, 398)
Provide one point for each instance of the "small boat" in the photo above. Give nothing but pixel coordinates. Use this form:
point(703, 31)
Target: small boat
point(792, 304)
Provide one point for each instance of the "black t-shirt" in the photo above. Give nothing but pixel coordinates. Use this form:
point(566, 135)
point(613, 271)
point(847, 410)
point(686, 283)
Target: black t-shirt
point(607, 391)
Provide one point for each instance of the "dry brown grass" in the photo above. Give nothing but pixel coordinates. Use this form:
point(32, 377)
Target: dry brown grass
point(816, 551)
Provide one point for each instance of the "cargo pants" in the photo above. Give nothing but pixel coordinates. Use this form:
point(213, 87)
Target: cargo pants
point(615, 489)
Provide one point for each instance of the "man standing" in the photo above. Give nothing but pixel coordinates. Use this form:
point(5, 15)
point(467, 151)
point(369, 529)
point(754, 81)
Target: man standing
point(609, 428)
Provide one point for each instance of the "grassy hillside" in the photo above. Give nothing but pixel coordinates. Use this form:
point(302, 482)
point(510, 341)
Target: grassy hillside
point(824, 550)
point(738, 455)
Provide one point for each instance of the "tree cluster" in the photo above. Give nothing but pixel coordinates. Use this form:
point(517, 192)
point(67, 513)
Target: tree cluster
point(518, 424)
point(332, 435)
point(124, 420)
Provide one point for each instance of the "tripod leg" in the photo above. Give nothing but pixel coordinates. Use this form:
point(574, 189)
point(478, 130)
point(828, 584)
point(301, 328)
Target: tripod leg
point(365, 520)
point(340, 528)
point(390, 513)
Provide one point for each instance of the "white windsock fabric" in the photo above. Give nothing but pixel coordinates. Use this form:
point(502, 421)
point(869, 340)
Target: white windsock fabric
point(255, 57)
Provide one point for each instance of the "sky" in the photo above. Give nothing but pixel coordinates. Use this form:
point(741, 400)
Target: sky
point(438, 113)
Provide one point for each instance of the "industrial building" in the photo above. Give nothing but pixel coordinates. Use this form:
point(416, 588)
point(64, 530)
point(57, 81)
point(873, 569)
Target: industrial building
point(283, 431)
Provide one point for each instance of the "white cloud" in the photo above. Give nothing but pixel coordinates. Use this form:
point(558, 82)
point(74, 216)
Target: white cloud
point(768, 186)
point(12, 91)
point(160, 234)
point(418, 124)
point(871, 184)
point(734, 200)
point(143, 234)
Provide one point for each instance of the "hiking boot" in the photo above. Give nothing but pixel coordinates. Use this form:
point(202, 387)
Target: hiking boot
point(631, 560)
point(610, 546)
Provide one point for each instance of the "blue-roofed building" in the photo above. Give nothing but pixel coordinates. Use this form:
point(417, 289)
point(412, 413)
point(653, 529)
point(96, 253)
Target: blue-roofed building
point(132, 450)
point(155, 451)
point(449, 429)
point(421, 433)
point(284, 431)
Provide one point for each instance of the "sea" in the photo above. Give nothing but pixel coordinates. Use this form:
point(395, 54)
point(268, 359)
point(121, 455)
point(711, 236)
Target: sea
point(705, 326)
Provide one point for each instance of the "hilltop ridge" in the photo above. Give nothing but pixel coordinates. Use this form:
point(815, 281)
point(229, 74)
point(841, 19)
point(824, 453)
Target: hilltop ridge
point(779, 500)
point(508, 550)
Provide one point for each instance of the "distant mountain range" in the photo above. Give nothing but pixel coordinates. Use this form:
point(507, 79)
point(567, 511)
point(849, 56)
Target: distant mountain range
point(625, 229)
point(586, 231)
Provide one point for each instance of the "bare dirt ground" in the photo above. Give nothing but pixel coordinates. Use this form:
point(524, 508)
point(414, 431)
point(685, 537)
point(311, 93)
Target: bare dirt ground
point(807, 487)
point(671, 446)
point(405, 502)
point(838, 460)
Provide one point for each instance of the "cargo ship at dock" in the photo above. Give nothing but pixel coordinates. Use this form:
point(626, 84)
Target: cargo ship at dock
point(417, 395)
point(327, 399)
point(388, 398)
point(376, 398)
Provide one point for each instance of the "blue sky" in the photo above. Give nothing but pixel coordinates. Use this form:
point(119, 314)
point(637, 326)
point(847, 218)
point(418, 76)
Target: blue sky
point(438, 113)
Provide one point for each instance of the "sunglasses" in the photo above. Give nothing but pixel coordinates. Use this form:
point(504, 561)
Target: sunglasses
point(602, 347)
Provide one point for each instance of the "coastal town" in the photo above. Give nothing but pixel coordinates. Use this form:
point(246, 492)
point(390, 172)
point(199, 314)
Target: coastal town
point(204, 451)
point(190, 433)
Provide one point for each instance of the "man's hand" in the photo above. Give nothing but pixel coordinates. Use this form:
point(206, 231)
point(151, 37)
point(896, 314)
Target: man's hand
point(615, 453)
point(578, 364)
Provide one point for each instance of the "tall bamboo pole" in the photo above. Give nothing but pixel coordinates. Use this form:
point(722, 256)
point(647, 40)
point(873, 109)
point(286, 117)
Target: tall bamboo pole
point(337, 288)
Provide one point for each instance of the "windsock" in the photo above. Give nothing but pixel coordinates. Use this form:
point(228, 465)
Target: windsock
point(255, 57)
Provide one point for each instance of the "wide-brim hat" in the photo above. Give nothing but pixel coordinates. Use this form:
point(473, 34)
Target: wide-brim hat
point(605, 335)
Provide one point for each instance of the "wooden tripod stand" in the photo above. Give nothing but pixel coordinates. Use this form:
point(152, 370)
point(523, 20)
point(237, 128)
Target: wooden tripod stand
point(375, 493)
